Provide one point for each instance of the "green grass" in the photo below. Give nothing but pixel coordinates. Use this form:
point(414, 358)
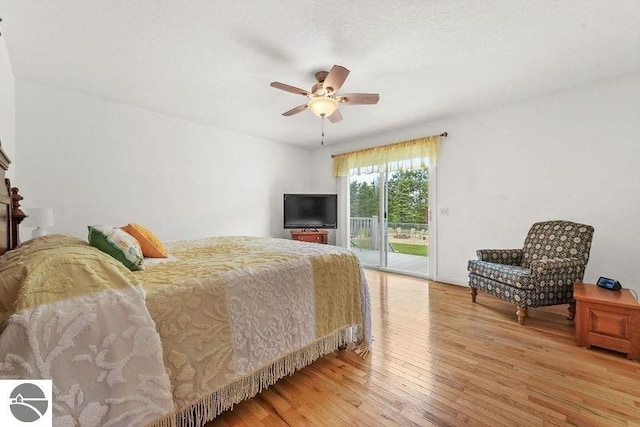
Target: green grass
point(401, 248)
point(409, 249)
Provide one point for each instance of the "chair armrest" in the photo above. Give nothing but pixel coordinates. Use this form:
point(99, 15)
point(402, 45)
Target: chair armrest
point(500, 256)
point(546, 266)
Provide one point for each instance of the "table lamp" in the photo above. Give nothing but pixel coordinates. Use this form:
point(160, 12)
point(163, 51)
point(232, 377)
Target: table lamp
point(40, 219)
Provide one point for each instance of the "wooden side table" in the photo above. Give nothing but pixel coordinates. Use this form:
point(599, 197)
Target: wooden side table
point(320, 236)
point(607, 319)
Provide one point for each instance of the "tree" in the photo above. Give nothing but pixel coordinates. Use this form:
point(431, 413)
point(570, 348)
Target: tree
point(365, 199)
point(408, 196)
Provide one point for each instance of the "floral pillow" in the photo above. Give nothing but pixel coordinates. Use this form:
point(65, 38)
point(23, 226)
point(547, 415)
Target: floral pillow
point(117, 243)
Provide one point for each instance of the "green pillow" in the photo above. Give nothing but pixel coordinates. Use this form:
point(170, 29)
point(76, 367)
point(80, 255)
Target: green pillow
point(117, 243)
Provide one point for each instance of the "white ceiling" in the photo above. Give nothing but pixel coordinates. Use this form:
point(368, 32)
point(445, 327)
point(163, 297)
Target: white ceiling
point(212, 61)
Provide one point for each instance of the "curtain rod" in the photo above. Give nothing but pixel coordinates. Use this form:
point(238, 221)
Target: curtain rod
point(443, 134)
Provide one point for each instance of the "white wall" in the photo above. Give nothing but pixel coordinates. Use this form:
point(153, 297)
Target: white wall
point(99, 162)
point(7, 107)
point(570, 155)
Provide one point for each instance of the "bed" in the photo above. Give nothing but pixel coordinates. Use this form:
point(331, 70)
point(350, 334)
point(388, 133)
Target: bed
point(181, 341)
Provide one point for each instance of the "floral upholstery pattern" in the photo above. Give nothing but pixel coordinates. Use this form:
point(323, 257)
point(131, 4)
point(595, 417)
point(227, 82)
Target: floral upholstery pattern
point(557, 239)
point(512, 275)
point(554, 256)
point(501, 256)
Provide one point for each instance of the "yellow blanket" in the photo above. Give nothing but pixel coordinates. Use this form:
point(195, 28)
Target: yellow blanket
point(231, 309)
point(53, 268)
point(185, 339)
point(75, 315)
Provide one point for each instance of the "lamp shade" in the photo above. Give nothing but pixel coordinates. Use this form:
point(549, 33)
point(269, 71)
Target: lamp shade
point(39, 217)
point(323, 106)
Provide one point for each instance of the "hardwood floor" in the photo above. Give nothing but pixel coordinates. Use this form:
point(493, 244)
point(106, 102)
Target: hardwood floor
point(440, 360)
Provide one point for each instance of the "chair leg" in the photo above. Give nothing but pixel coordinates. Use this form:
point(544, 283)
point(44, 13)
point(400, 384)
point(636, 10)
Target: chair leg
point(474, 292)
point(572, 310)
point(521, 312)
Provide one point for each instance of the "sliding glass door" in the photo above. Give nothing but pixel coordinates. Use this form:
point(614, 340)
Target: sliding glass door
point(407, 214)
point(389, 220)
point(389, 203)
point(364, 217)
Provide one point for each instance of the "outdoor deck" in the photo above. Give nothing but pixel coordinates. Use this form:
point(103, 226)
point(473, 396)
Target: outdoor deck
point(413, 264)
point(407, 245)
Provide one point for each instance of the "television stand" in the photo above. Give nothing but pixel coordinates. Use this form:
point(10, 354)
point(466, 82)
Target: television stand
point(316, 236)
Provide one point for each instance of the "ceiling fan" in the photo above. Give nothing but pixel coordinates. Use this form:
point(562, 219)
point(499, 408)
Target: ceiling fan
point(323, 100)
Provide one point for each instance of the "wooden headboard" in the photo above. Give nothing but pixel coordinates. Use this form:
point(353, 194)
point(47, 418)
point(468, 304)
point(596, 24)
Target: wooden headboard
point(10, 213)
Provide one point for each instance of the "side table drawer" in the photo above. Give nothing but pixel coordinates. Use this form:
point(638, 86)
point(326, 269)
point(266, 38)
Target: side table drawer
point(608, 327)
point(610, 324)
point(309, 238)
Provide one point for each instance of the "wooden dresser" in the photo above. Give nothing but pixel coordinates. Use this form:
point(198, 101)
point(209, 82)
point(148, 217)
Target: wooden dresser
point(320, 236)
point(607, 319)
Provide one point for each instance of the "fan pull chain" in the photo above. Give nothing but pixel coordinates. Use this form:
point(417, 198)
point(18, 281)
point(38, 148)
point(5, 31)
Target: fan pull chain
point(322, 140)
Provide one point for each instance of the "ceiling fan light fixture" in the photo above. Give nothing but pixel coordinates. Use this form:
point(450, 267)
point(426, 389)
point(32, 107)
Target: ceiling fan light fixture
point(323, 106)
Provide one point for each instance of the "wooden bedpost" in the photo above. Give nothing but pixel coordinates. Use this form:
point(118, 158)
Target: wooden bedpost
point(16, 214)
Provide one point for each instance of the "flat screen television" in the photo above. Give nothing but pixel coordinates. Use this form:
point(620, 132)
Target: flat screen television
point(310, 211)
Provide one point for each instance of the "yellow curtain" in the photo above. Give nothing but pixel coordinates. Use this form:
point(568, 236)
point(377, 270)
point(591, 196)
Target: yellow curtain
point(413, 154)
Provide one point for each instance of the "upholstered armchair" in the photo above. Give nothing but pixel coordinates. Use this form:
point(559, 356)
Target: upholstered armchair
point(554, 256)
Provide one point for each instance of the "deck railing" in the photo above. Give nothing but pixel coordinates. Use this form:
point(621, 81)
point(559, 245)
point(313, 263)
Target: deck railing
point(364, 231)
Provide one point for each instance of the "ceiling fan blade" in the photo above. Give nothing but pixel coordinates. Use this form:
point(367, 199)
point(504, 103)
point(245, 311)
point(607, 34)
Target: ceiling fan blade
point(335, 117)
point(295, 110)
point(358, 98)
point(334, 81)
point(291, 89)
